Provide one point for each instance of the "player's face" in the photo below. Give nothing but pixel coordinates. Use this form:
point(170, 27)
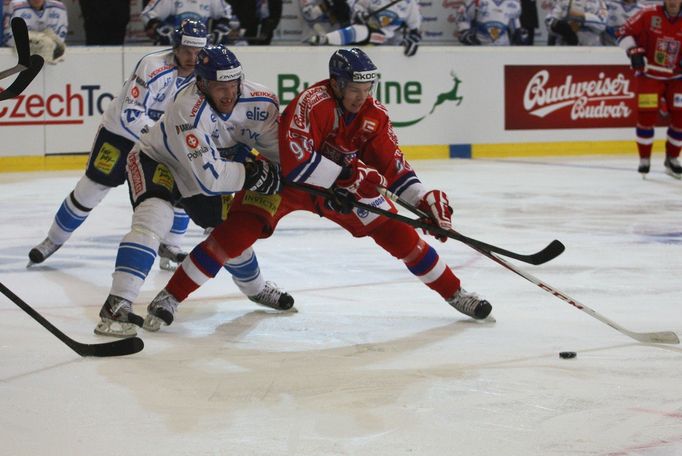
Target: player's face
point(672, 6)
point(187, 57)
point(353, 96)
point(223, 94)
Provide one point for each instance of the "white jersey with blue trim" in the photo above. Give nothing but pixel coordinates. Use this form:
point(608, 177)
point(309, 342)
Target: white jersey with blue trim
point(494, 20)
point(403, 14)
point(143, 98)
point(197, 142)
point(179, 10)
point(593, 23)
point(52, 16)
point(619, 12)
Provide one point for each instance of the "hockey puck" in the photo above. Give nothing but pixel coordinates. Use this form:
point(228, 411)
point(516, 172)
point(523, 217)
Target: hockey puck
point(568, 355)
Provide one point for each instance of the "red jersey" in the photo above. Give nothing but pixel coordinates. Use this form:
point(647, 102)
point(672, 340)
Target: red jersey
point(317, 138)
point(659, 35)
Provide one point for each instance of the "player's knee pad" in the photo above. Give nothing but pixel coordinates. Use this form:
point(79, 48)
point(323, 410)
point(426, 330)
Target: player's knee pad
point(88, 193)
point(154, 217)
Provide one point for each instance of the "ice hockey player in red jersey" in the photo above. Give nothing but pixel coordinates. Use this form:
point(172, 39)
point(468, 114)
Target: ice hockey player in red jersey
point(652, 40)
point(335, 135)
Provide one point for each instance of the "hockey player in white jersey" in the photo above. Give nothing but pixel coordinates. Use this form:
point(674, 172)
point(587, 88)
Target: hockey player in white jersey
point(619, 11)
point(490, 22)
point(323, 16)
point(578, 22)
point(140, 103)
point(47, 24)
point(398, 24)
point(161, 17)
point(197, 154)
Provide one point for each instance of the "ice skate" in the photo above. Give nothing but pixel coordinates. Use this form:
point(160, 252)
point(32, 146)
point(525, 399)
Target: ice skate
point(42, 252)
point(318, 39)
point(273, 297)
point(160, 310)
point(470, 304)
point(644, 167)
point(170, 256)
point(673, 168)
point(118, 319)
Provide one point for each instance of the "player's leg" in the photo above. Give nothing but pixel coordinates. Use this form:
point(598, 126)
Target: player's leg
point(649, 92)
point(170, 252)
point(151, 221)
point(229, 246)
point(105, 170)
point(673, 141)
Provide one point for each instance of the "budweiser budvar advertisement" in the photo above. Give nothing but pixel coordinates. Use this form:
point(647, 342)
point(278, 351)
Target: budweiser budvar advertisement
point(568, 96)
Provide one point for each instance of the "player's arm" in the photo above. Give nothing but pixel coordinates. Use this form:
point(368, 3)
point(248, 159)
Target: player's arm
point(267, 142)
point(154, 14)
point(300, 138)
point(596, 20)
point(134, 116)
point(627, 36)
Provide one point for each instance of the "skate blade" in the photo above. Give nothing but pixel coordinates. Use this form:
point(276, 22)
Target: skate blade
point(113, 328)
point(152, 323)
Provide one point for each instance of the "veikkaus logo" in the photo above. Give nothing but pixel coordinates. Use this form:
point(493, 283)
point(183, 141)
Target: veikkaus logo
point(600, 98)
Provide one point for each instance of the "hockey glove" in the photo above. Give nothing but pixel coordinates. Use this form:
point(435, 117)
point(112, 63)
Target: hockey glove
point(341, 201)
point(636, 55)
point(220, 34)
point(469, 38)
point(163, 35)
point(360, 15)
point(411, 42)
point(361, 180)
point(262, 177)
point(436, 204)
point(520, 37)
point(564, 29)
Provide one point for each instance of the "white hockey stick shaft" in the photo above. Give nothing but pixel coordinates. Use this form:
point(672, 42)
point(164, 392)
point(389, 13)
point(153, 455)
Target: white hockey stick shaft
point(18, 68)
point(663, 337)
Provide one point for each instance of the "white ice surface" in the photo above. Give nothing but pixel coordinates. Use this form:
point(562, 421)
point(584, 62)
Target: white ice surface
point(374, 363)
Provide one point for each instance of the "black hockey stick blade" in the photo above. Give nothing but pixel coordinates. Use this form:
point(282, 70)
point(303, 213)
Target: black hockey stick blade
point(24, 79)
point(551, 251)
point(20, 33)
point(116, 348)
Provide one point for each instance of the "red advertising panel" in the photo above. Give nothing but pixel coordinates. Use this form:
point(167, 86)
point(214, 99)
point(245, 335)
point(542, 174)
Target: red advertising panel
point(568, 96)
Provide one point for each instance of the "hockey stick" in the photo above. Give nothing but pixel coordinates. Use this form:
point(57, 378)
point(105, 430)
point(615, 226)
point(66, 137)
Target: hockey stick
point(117, 348)
point(551, 251)
point(24, 79)
point(383, 8)
point(20, 33)
point(664, 337)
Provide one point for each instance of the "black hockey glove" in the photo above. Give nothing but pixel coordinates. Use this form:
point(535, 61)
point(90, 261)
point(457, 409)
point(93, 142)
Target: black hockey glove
point(341, 201)
point(262, 177)
point(520, 37)
point(636, 55)
point(411, 42)
point(469, 38)
point(163, 35)
point(563, 29)
point(220, 34)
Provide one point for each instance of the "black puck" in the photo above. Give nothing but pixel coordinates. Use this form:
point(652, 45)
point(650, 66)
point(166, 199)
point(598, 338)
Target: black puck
point(568, 355)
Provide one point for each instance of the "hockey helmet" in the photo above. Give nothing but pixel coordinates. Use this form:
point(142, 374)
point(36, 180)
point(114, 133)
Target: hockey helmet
point(352, 65)
point(192, 33)
point(217, 63)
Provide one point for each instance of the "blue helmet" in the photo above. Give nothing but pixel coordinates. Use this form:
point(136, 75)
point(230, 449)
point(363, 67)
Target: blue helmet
point(217, 63)
point(192, 33)
point(352, 65)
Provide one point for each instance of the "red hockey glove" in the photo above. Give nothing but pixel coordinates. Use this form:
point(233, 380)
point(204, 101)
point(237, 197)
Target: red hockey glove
point(636, 55)
point(361, 180)
point(436, 204)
